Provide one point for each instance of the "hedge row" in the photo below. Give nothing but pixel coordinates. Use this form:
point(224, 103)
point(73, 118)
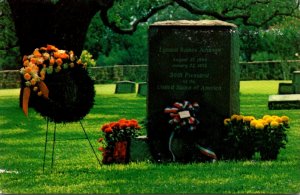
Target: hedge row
point(269, 70)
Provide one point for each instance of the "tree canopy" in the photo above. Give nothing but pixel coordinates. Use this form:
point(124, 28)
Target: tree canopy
point(65, 23)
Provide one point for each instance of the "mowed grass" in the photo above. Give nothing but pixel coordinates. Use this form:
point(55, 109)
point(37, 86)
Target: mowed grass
point(76, 169)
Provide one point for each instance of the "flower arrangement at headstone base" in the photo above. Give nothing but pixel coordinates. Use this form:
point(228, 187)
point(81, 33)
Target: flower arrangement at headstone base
point(57, 84)
point(247, 135)
point(184, 120)
point(115, 145)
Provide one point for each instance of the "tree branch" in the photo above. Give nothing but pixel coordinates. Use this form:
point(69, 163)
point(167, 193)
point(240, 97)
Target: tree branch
point(245, 16)
point(132, 29)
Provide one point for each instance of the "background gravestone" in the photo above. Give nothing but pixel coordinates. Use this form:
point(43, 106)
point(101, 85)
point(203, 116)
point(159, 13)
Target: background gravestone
point(142, 88)
point(296, 82)
point(125, 87)
point(194, 61)
point(285, 88)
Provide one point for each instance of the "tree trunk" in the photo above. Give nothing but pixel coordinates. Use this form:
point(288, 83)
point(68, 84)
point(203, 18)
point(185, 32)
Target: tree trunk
point(41, 22)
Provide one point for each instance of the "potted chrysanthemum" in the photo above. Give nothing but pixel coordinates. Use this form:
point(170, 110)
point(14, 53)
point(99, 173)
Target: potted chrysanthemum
point(116, 141)
point(272, 136)
point(247, 135)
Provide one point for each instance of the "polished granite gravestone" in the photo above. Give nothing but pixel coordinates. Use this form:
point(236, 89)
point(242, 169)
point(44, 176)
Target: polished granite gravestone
point(195, 61)
point(125, 87)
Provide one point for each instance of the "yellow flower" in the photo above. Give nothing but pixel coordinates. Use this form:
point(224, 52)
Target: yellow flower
point(234, 117)
point(268, 119)
point(274, 124)
point(285, 119)
point(259, 125)
point(279, 120)
point(263, 122)
point(226, 121)
point(253, 123)
point(239, 117)
point(266, 116)
point(248, 118)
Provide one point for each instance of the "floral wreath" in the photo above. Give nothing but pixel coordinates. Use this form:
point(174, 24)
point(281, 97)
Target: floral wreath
point(184, 117)
point(45, 61)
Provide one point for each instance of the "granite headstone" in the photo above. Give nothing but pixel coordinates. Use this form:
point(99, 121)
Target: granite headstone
point(285, 88)
point(142, 88)
point(296, 82)
point(195, 61)
point(125, 87)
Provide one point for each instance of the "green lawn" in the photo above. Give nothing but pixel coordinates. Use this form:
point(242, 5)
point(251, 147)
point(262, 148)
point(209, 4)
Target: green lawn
point(76, 169)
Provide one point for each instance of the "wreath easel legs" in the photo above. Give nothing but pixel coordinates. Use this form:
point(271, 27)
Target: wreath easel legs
point(54, 141)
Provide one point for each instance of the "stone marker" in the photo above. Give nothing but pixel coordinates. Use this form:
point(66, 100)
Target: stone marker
point(290, 101)
point(285, 88)
point(296, 82)
point(195, 61)
point(142, 88)
point(125, 87)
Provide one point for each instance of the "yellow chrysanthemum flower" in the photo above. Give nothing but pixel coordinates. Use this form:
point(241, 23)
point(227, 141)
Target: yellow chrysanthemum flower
point(279, 120)
point(234, 117)
point(285, 119)
point(239, 117)
point(263, 122)
point(268, 119)
point(253, 123)
point(266, 116)
point(274, 124)
point(259, 125)
point(226, 121)
point(248, 118)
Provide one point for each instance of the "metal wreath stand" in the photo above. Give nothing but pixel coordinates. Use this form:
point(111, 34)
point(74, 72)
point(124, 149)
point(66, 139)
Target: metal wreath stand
point(71, 96)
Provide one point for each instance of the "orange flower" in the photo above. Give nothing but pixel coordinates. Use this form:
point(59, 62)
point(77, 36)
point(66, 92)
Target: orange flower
point(108, 130)
point(40, 60)
point(124, 125)
point(114, 125)
point(133, 123)
point(26, 63)
point(104, 127)
point(33, 60)
point(25, 57)
point(27, 76)
point(101, 149)
point(51, 48)
point(40, 93)
point(52, 61)
point(59, 61)
point(33, 81)
point(64, 56)
point(46, 56)
point(56, 54)
point(43, 48)
point(28, 69)
point(36, 53)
